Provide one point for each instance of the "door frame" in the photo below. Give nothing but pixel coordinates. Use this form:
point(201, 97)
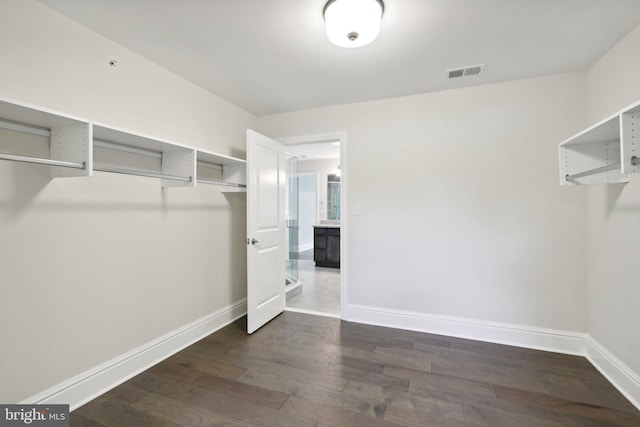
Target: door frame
point(344, 218)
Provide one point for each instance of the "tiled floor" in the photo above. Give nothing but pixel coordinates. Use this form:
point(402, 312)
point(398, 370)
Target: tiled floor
point(320, 289)
point(304, 255)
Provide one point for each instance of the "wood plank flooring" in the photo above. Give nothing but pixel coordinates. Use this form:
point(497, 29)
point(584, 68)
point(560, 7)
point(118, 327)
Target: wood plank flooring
point(302, 370)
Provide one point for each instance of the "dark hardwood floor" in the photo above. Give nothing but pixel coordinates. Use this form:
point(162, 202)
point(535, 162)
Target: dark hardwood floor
point(303, 370)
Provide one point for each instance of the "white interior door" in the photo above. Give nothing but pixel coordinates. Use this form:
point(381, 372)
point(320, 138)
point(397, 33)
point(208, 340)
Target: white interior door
point(265, 230)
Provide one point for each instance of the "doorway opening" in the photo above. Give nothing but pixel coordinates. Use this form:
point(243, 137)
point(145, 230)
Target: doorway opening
point(314, 225)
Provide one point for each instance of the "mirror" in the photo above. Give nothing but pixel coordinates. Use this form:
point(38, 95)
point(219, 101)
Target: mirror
point(333, 197)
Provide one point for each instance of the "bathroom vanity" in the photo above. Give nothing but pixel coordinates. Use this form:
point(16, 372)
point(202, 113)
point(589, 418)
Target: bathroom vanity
point(326, 245)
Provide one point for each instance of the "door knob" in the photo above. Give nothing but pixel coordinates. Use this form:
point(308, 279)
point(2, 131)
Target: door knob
point(254, 241)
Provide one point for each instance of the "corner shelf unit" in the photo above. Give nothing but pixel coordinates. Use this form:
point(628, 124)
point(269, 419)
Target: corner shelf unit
point(72, 143)
point(605, 153)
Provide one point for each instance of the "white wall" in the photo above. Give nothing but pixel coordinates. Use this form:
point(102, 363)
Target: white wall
point(313, 196)
point(613, 80)
point(91, 268)
point(614, 216)
point(462, 214)
point(458, 191)
point(323, 167)
point(307, 209)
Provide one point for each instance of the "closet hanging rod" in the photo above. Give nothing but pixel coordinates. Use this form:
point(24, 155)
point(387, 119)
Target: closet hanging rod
point(214, 182)
point(141, 173)
point(39, 161)
point(607, 168)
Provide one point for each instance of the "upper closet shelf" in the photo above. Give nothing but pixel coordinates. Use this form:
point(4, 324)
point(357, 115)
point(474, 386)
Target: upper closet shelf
point(178, 162)
point(605, 152)
point(72, 141)
point(70, 149)
point(232, 171)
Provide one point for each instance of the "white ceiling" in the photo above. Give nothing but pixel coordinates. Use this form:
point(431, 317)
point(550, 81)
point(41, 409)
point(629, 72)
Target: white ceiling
point(270, 56)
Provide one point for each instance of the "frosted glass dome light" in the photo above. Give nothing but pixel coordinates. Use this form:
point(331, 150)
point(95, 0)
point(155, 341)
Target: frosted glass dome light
point(353, 23)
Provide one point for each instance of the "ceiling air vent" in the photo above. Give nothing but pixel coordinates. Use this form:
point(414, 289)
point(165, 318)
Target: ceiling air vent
point(472, 70)
point(454, 74)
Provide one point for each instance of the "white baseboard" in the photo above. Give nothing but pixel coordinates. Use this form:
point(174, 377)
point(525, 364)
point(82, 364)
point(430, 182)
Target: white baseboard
point(302, 248)
point(579, 344)
point(620, 375)
point(305, 247)
point(90, 384)
point(293, 288)
point(313, 312)
point(500, 333)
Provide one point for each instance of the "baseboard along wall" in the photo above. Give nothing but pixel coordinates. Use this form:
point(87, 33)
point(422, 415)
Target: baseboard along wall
point(580, 344)
point(90, 384)
point(618, 373)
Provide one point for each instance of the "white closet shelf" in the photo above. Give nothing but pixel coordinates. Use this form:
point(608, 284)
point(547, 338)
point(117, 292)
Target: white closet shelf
point(70, 148)
point(102, 132)
point(605, 130)
point(72, 141)
point(178, 166)
point(32, 116)
point(219, 159)
point(234, 175)
point(603, 153)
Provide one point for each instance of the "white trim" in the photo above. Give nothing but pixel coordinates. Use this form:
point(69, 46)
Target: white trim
point(313, 139)
point(620, 375)
point(344, 224)
point(313, 312)
point(580, 344)
point(495, 332)
point(305, 247)
point(92, 383)
point(292, 286)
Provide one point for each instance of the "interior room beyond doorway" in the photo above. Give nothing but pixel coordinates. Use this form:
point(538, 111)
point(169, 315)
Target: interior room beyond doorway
point(313, 227)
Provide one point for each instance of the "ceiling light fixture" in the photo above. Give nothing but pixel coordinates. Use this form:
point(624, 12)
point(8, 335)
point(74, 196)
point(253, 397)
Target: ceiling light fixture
point(353, 23)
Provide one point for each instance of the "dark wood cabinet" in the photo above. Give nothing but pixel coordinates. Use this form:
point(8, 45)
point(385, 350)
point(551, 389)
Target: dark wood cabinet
point(326, 246)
